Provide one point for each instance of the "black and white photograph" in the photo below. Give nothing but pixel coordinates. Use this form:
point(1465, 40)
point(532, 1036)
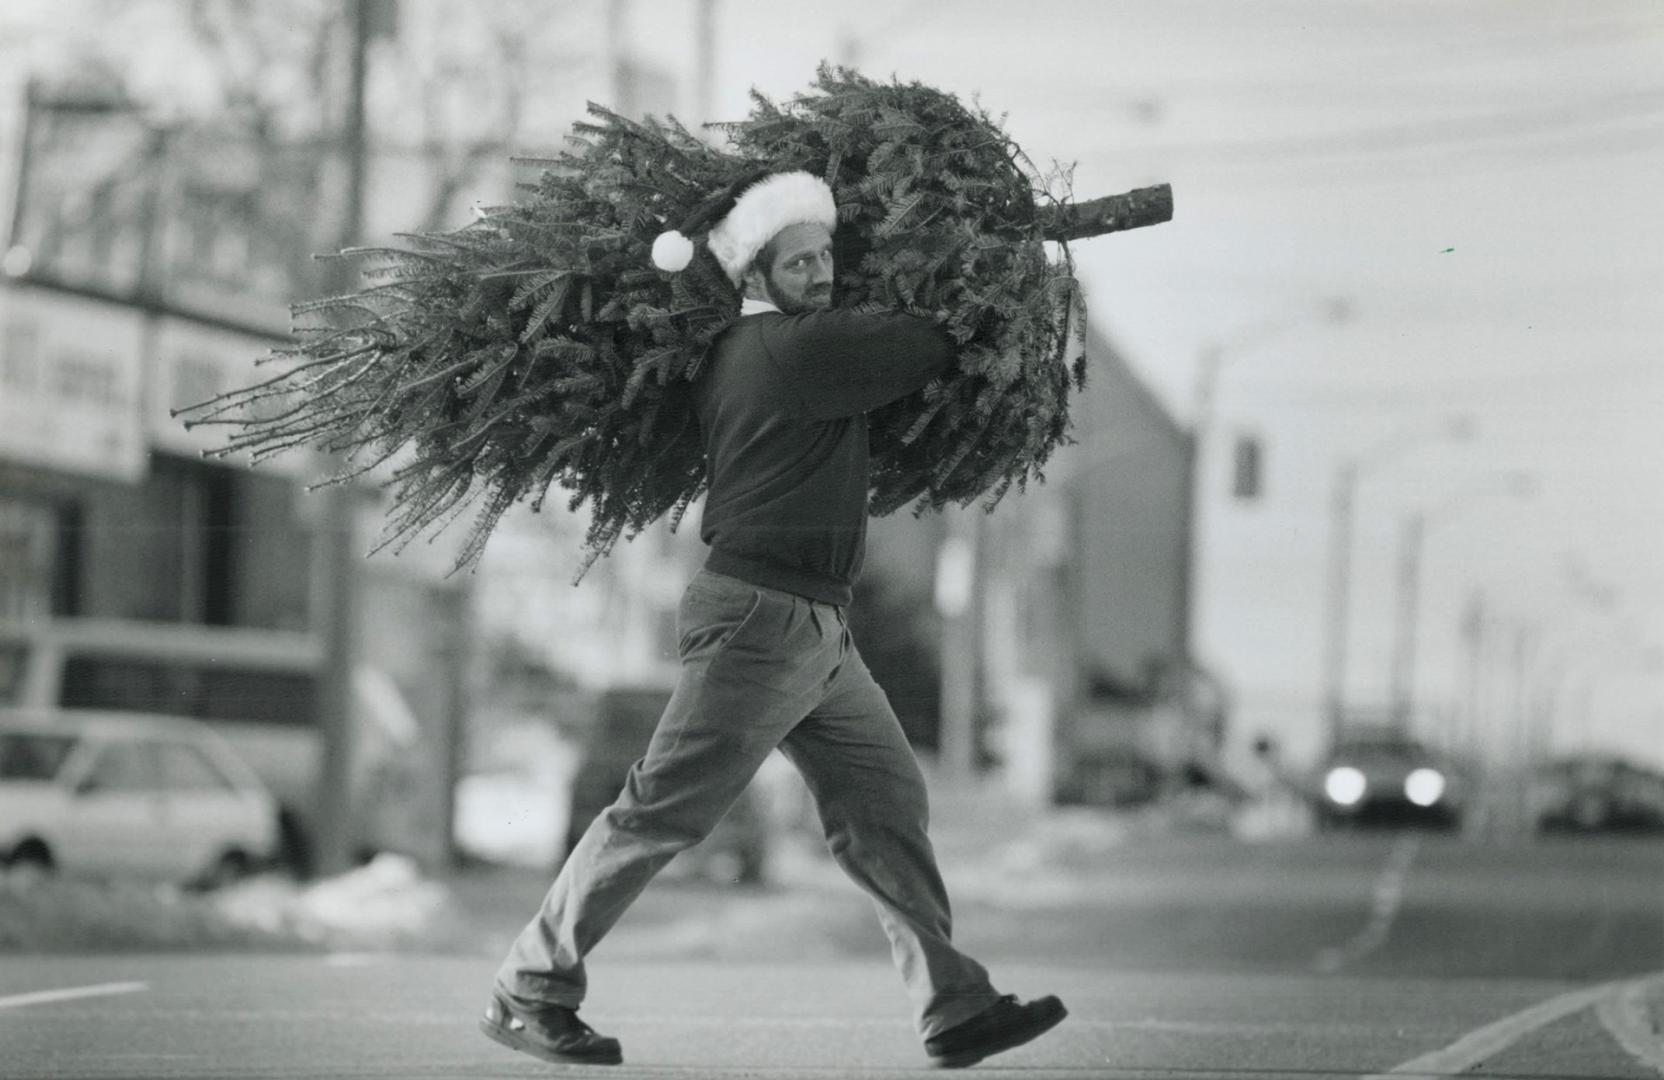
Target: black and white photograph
point(715, 539)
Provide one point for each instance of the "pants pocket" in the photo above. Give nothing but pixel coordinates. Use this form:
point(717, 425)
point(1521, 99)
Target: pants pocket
point(706, 620)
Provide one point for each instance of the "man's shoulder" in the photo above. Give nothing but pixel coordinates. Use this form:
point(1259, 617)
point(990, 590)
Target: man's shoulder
point(810, 336)
point(772, 330)
point(747, 330)
point(743, 345)
point(832, 321)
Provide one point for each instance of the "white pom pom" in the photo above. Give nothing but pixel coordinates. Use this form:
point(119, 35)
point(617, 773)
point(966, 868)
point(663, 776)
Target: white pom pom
point(672, 251)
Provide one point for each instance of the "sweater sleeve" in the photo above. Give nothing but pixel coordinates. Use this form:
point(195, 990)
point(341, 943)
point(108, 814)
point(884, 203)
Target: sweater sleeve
point(844, 363)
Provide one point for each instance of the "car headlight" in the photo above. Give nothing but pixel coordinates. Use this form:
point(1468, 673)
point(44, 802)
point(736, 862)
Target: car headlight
point(1344, 785)
point(1424, 787)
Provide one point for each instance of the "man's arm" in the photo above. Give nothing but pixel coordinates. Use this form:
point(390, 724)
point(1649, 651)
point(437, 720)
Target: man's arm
point(844, 363)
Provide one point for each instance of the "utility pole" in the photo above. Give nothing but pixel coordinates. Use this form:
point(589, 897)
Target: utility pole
point(1473, 653)
point(1209, 363)
point(1518, 754)
point(1402, 675)
point(958, 595)
point(621, 70)
point(1469, 742)
point(1412, 536)
point(339, 560)
point(849, 48)
point(1337, 596)
point(704, 61)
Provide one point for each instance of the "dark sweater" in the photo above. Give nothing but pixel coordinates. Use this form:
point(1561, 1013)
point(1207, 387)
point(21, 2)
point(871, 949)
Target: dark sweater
point(781, 405)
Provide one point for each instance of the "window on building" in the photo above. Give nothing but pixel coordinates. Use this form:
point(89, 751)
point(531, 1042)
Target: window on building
point(14, 656)
point(273, 697)
point(28, 558)
point(202, 691)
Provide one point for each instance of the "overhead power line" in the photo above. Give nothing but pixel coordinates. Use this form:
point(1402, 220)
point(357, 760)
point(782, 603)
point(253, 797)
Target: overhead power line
point(1575, 117)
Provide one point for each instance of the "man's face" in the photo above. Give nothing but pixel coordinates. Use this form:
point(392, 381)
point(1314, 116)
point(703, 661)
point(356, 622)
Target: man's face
point(798, 277)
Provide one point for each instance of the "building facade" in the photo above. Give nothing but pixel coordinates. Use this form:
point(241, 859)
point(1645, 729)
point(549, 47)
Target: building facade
point(1087, 662)
point(149, 269)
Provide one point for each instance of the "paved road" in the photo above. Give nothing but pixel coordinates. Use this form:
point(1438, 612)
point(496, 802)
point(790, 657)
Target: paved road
point(1416, 904)
point(411, 1017)
point(1195, 957)
point(1419, 905)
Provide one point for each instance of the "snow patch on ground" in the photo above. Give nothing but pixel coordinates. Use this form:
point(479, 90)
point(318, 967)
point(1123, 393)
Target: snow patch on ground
point(49, 915)
point(386, 903)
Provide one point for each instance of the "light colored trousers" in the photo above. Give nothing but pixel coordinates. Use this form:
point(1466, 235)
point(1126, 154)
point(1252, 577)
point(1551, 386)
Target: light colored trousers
point(762, 669)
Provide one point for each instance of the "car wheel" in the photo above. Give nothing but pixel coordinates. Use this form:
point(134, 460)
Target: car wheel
point(1590, 813)
point(228, 869)
point(753, 868)
point(29, 865)
point(295, 844)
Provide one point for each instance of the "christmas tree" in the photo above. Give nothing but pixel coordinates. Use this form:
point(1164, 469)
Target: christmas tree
point(540, 346)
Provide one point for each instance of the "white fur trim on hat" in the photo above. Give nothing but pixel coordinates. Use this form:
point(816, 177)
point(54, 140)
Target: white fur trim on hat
point(766, 207)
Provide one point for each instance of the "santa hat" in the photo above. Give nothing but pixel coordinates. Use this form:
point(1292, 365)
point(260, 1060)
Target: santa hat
point(762, 209)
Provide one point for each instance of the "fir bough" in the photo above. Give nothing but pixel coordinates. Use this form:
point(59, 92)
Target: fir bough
point(539, 347)
point(940, 215)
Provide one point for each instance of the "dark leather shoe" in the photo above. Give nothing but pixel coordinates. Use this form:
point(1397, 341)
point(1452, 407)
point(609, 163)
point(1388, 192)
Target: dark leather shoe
point(1001, 1026)
point(553, 1033)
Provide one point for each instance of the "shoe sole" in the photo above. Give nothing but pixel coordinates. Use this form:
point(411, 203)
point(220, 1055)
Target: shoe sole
point(1011, 1041)
point(496, 1034)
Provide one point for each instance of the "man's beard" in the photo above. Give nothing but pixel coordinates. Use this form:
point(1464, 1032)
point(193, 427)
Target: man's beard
point(814, 300)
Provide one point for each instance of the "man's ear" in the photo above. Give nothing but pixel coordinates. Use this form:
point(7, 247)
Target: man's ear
point(753, 286)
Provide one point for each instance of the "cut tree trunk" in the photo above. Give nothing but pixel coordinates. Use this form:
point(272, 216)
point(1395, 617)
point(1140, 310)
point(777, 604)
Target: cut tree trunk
point(1112, 213)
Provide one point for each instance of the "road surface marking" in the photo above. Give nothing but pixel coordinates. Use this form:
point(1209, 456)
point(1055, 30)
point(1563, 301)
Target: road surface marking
point(1482, 1043)
point(42, 997)
point(1388, 897)
point(1624, 1015)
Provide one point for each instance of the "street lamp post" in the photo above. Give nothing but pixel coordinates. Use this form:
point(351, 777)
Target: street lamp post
point(1337, 594)
point(1333, 310)
point(1330, 310)
point(1412, 537)
point(1603, 646)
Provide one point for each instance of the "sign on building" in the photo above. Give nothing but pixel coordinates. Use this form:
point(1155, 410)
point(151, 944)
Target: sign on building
point(71, 373)
point(205, 222)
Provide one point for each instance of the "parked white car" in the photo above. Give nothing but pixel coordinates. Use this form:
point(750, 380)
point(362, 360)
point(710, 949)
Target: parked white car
point(111, 795)
point(259, 690)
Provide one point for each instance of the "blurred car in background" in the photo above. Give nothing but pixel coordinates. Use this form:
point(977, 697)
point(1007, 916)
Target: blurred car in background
point(118, 796)
point(1385, 776)
point(259, 690)
point(736, 850)
point(1597, 793)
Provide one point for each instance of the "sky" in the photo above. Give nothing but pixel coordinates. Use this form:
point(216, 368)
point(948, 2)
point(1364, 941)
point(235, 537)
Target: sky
point(1473, 184)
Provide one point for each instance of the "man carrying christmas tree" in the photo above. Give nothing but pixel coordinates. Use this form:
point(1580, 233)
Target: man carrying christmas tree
point(767, 658)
